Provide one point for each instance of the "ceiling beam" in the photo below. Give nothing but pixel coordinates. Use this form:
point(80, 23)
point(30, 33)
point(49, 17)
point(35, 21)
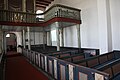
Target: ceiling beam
point(37, 5)
point(45, 1)
point(40, 8)
point(42, 3)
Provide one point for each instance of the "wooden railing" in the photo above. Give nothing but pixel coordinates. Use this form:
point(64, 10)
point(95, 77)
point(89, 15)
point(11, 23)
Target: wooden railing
point(12, 16)
point(62, 70)
point(55, 11)
point(58, 10)
point(2, 67)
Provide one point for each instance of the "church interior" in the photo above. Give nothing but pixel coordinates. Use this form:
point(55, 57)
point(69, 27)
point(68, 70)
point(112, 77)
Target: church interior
point(59, 40)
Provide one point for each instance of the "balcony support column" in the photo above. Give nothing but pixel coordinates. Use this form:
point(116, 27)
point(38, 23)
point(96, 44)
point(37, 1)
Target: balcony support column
point(44, 38)
point(58, 36)
point(34, 3)
point(29, 42)
point(62, 37)
point(4, 42)
point(24, 45)
point(78, 35)
point(1, 38)
point(49, 38)
point(24, 5)
point(5, 4)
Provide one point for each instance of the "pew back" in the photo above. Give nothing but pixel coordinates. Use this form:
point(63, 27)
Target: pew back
point(62, 70)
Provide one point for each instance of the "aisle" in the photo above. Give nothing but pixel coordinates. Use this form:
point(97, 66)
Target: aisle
point(17, 68)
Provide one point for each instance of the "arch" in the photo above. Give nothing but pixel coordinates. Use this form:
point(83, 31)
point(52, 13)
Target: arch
point(18, 40)
point(39, 17)
point(11, 42)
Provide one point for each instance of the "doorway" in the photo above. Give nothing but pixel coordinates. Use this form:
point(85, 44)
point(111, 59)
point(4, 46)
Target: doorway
point(11, 42)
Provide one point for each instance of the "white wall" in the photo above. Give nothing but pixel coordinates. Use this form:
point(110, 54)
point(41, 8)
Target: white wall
point(36, 38)
point(100, 24)
point(115, 19)
point(89, 29)
point(70, 36)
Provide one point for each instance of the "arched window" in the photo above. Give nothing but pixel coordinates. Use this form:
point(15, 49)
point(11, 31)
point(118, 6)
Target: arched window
point(39, 17)
point(8, 35)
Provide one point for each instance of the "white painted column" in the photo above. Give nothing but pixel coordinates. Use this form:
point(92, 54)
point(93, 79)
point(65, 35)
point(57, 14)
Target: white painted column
point(49, 39)
point(24, 44)
point(24, 5)
point(104, 23)
point(1, 39)
point(24, 9)
point(34, 3)
point(34, 37)
point(44, 38)
point(34, 10)
point(78, 35)
point(29, 42)
point(62, 37)
point(4, 42)
point(5, 4)
point(58, 36)
point(5, 8)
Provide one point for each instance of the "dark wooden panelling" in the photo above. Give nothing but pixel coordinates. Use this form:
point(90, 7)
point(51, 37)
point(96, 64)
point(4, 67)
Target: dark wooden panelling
point(103, 59)
point(41, 4)
point(109, 71)
point(93, 62)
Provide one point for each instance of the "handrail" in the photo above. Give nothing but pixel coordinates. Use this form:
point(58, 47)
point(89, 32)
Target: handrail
point(108, 65)
point(59, 5)
point(90, 58)
point(19, 12)
point(66, 57)
point(1, 56)
point(63, 52)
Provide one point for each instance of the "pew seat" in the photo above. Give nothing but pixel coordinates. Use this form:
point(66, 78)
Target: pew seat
point(117, 77)
point(112, 68)
point(102, 64)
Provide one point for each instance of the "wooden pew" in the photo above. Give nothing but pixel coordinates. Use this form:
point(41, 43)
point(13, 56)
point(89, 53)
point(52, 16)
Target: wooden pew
point(94, 62)
point(74, 57)
point(64, 53)
point(112, 68)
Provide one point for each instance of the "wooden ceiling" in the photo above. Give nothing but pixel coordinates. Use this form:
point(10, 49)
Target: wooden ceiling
point(42, 4)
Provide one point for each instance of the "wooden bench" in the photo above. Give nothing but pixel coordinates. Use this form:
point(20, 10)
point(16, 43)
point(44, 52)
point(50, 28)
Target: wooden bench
point(64, 53)
point(73, 57)
point(94, 62)
point(112, 68)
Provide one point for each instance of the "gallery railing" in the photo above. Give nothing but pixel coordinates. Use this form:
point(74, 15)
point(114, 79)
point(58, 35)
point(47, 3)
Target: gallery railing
point(55, 11)
point(12, 16)
point(58, 10)
point(62, 70)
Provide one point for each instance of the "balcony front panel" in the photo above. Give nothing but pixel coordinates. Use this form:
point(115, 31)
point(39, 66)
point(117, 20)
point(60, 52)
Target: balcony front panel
point(56, 12)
